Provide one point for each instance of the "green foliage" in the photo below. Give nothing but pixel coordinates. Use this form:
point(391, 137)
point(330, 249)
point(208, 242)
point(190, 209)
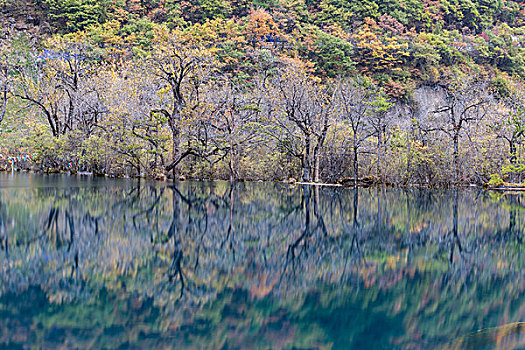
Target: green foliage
point(93, 152)
point(419, 37)
point(513, 169)
point(140, 31)
point(265, 3)
point(495, 180)
point(500, 86)
point(333, 56)
point(49, 151)
point(381, 104)
point(345, 13)
point(73, 15)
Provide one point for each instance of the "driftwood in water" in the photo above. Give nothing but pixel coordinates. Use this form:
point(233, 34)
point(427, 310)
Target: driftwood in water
point(507, 186)
point(517, 189)
point(317, 184)
point(351, 182)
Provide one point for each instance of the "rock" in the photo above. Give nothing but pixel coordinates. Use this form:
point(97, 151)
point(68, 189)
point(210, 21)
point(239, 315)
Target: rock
point(21, 27)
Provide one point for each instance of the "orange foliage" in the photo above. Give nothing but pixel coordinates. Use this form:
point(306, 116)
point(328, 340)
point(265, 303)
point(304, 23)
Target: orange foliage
point(375, 52)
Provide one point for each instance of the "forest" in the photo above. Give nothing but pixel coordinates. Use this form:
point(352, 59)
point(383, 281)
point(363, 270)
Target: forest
point(415, 92)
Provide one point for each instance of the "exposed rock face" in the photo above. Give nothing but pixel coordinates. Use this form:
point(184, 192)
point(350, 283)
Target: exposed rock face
point(22, 17)
point(428, 99)
point(425, 99)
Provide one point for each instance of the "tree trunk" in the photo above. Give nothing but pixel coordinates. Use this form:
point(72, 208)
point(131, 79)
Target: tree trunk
point(513, 156)
point(409, 155)
point(455, 158)
point(176, 153)
point(316, 167)
point(512, 147)
point(306, 160)
point(3, 108)
point(378, 165)
point(356, 205)
point(174, 123)
point(176, 148)
point(232, 166)
point(512, 215)
point(454, 225)
point(356, 164)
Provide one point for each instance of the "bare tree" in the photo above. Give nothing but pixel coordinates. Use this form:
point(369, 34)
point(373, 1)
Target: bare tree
point(379, 122)
point(307, 107)
point(510, 126)
point(467, 101)
point(236, 113)
point(356, 104)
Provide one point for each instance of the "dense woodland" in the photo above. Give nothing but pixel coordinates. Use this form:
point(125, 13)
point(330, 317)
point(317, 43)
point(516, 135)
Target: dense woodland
point(396, 92)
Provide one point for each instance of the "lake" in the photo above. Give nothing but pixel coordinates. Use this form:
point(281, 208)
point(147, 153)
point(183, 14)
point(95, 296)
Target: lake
point(107, 263)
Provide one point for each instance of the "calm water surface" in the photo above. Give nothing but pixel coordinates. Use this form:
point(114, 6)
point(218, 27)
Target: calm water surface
point(99, 263)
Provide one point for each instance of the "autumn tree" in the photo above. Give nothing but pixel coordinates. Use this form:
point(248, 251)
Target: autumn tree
point(138, 137)
point(180, 69)
point(376, 52)
point(56, 84)
point(261, 29)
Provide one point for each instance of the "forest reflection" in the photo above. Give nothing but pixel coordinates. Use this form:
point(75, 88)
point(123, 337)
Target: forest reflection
point(107, 263)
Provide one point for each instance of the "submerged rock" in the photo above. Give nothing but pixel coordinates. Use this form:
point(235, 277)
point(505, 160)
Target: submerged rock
point(291, 181)
point(161, 177)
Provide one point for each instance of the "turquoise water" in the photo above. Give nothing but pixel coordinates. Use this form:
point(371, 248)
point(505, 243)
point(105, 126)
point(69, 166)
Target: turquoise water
point(104, 263)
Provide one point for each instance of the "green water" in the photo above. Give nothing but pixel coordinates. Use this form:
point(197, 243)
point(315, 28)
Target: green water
point(89, 263)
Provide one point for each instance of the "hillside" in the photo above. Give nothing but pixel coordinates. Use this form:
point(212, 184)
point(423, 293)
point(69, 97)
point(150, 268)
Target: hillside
point(418, 91)
point(395, 42)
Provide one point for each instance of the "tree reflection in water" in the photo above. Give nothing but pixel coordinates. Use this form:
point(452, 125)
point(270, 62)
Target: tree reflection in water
point(110, 263)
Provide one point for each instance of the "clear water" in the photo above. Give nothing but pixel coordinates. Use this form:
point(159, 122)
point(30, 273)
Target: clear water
point(99, 263)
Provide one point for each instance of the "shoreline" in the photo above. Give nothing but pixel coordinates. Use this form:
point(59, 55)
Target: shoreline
point(290, 182)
